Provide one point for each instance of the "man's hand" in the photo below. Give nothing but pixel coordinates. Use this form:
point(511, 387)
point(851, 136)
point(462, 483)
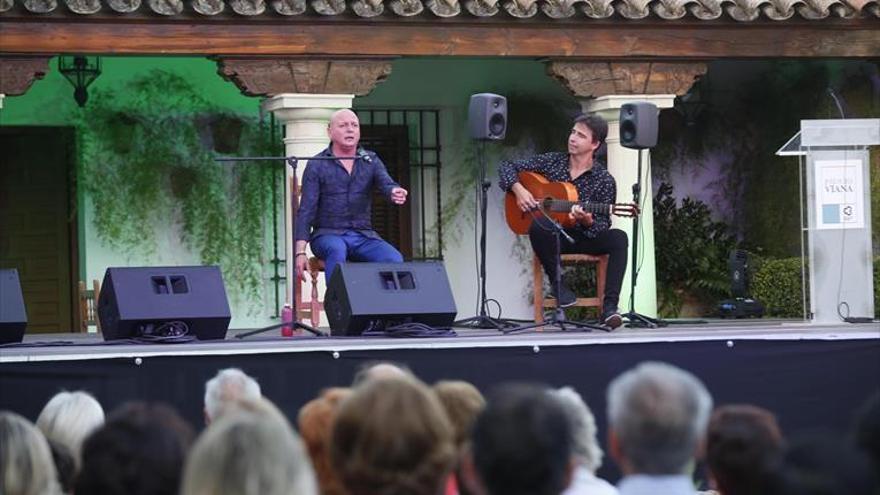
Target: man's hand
point(302, 266)
point(577, 213)
point(524, 198)
point(398, 195)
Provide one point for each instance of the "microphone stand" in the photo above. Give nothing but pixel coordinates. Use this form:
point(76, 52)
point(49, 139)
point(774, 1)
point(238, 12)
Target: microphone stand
point(558, 319)
point(292, 162)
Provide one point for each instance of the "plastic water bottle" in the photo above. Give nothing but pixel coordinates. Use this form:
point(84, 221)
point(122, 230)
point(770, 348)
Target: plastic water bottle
point(287, 317)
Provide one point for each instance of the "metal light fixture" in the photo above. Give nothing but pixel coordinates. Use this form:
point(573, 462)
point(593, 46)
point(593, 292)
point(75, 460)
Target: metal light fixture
point(694, 102)
point(81, 71)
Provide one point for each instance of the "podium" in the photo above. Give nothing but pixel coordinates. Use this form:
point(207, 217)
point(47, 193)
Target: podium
point(835, 161)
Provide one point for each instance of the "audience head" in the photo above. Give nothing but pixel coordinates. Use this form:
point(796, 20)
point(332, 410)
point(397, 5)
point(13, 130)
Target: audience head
point(657, 416)
point(316, 421)
point(392, 436)
point(743, 449)
point(378, 370)
point(462, 402)
point(585, 445)
point(250, 450)
point(522, 442)
point(140, 450)
point(26, 466)
point(68, 418)
point(228, 386)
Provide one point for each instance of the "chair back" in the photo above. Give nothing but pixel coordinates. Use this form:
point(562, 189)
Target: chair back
point(88, 306)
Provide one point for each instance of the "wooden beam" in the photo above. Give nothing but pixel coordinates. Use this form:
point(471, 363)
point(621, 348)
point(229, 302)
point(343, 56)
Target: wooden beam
point(588, 40)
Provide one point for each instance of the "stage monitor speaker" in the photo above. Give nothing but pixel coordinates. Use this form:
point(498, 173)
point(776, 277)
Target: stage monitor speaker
point(638, 125)
point(738, 264)
point(487, 116)
point(13, 318)
point(361, 296)
point(137, 301)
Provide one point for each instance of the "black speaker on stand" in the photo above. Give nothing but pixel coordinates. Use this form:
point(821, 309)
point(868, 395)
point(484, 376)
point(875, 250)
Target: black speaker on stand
point(487, 121)
point(13, 318)
point(638, 130)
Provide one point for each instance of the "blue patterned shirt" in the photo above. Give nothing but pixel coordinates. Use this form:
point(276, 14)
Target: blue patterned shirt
point(334, 201)
point(595, 185)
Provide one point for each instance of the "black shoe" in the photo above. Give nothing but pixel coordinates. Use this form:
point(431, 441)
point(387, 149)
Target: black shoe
point(565, 298)
point(612, 319)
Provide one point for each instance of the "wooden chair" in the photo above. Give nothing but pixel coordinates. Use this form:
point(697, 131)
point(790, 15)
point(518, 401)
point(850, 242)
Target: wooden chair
point(601, 262)
point(88, 306)
point(311, 310)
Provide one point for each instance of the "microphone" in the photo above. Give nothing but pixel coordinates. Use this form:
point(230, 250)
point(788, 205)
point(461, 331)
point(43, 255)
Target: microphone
point(362, 153)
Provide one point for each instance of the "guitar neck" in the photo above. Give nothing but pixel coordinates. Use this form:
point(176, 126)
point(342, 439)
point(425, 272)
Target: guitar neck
point(564, 206)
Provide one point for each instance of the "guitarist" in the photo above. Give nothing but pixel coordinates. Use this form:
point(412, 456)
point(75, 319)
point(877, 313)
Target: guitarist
point(593, 233)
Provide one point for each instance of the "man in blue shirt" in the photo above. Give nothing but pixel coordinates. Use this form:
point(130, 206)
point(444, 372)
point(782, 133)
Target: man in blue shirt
point(334, 210)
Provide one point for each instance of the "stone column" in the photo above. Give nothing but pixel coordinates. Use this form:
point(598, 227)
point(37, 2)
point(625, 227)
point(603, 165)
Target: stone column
point(623, 165)
point(603, 87)
point(305, 118)
point(303, 94)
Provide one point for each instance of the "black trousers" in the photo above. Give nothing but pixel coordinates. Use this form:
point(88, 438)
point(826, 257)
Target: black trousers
point(612, 242)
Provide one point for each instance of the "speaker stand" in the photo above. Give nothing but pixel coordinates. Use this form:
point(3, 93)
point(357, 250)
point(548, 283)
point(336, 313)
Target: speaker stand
point(295, 324)
point(483, 320)
point(635, 319)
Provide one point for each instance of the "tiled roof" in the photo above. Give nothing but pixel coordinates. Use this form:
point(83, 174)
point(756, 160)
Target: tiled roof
point(702, 10)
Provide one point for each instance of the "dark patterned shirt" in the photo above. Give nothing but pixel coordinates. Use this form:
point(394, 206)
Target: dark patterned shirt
point(595, 185)
point(334, 201)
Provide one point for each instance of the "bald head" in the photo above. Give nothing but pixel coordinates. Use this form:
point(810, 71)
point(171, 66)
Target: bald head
point(344, 131)
point(343, 113)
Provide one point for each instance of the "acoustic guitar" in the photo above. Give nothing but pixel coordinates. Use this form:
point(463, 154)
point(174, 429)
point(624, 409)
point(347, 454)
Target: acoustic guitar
point(555, 199)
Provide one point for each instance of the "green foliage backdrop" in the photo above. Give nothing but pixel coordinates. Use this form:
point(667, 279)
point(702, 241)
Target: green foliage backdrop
point(148, 160)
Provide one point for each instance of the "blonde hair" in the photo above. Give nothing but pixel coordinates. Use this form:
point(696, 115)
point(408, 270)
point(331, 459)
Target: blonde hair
point(250, 450)
point(68, 418)
point(462, 402)
point(26, 466)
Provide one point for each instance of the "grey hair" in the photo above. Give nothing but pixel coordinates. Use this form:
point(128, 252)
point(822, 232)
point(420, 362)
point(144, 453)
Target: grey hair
point(659, 414)
point(229, 386)
point(68, 418)
point(249, 453)
point(583, 427)
point(26, 465)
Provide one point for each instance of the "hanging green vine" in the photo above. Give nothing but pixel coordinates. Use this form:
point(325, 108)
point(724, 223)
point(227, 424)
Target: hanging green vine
point(148, 164)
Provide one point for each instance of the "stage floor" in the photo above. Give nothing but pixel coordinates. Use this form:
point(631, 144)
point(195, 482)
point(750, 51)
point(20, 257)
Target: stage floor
point(811, 376)
point(79, 346)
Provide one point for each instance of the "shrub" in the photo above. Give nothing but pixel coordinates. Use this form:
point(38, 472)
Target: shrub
point(777, 283)
point(691, 252)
